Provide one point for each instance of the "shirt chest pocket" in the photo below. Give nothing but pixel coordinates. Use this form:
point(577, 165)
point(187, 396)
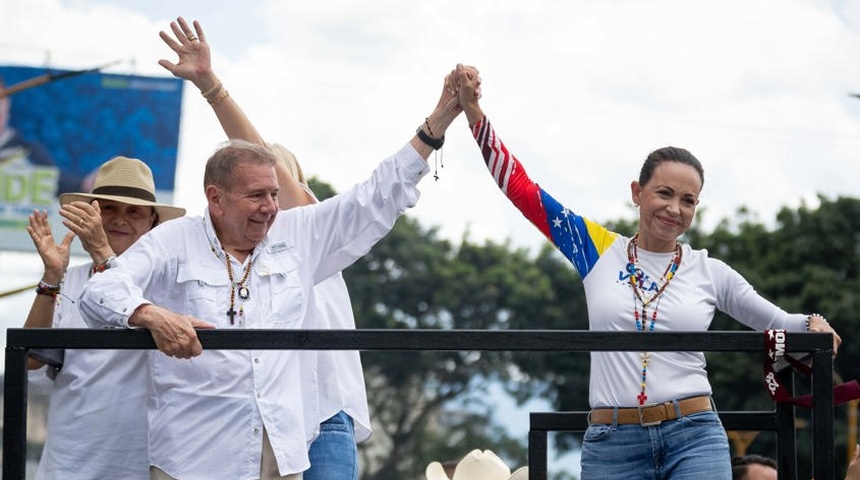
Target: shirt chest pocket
point(288, 297)
point(206, 292)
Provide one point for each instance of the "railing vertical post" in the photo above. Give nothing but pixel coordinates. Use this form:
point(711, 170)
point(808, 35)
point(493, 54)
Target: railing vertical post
point(538, 454)
point(786, 436)
point(822, 415)
point(15, 414)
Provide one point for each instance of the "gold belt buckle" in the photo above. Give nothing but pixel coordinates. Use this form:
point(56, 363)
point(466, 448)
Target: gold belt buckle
point(641, 420)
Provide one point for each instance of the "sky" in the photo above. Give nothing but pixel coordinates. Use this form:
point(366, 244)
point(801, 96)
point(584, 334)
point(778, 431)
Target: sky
point(580, 91)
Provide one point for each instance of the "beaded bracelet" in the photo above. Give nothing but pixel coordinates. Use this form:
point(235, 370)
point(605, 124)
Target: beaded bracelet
point(47, 289)
point(809, 318)
point(212, 90)
point(427, 124)
point(215, 100)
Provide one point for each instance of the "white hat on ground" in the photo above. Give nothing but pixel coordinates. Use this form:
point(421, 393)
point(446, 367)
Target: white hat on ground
point(477, 465)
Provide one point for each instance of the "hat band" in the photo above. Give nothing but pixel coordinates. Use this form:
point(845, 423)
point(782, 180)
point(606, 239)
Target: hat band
point(125, 192)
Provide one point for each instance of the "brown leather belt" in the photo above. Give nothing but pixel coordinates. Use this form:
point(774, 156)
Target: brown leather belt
point(648, 415)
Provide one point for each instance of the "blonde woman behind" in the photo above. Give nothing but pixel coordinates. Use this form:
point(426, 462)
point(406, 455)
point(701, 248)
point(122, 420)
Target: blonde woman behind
point(343, 414)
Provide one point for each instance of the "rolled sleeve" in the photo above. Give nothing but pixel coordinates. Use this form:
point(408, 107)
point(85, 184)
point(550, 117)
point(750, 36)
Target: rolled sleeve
point(109, 300)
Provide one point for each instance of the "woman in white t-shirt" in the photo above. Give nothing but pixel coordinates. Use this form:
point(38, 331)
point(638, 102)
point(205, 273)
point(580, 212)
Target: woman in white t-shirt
point(652, 414)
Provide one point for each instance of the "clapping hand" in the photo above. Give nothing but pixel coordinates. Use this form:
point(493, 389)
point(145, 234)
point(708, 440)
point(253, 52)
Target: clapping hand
point(55, 256)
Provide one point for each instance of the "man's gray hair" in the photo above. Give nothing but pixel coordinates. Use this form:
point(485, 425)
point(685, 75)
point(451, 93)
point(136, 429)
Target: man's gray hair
point(231, 155)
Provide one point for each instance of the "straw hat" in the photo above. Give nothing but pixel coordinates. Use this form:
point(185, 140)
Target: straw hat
point(477, 465)
point(126, 180)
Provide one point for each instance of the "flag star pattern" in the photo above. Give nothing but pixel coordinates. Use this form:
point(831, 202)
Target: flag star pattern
point(582, 241)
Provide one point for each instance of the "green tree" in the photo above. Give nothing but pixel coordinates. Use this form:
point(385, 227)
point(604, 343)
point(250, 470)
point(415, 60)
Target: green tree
point(809, 262)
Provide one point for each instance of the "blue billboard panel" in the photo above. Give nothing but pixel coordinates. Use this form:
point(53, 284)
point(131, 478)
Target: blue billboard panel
point(58, 126)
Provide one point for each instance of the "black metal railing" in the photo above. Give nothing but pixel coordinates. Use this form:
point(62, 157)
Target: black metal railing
point(780, 421)
point(20, 341)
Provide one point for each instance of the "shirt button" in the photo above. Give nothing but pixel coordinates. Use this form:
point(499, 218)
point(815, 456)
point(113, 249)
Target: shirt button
point(258, 394)
point(256, 360)
point(256, 430)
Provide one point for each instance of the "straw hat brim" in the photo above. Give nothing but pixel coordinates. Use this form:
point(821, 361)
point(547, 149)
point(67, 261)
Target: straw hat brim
point(165, 212)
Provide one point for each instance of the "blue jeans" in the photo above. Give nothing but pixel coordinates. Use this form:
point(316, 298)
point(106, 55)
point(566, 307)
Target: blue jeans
point(333, 454)
point(689, 448)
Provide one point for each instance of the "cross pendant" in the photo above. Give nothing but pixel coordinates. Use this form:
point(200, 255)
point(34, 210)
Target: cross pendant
point(231, 313)
point(642, 397)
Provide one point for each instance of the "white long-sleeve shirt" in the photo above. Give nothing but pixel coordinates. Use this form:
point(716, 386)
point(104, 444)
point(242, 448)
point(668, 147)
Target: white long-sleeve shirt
point(338, 374)
point(97, 410)
point(207, 414)
point(341, 379)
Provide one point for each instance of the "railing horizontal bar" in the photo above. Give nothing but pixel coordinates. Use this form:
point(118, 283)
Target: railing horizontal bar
point(755, 421)
point(452, 340)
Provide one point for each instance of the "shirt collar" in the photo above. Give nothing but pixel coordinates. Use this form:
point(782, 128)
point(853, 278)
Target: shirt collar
point(215, 242)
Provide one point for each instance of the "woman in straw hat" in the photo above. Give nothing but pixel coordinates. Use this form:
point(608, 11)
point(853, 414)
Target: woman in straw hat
point(97, 412)
point(340, 415)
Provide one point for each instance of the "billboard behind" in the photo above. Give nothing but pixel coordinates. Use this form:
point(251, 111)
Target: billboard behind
point(56, 132)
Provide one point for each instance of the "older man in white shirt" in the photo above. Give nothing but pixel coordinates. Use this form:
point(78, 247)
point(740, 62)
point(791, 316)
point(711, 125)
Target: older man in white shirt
point(244, 264)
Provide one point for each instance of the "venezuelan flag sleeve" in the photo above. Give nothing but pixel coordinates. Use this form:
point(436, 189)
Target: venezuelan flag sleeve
point(579, 239)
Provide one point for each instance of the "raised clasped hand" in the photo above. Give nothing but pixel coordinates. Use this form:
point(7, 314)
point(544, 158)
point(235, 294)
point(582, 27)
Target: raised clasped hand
point(467, 81)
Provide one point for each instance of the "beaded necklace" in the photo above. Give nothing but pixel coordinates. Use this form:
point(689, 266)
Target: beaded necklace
point(243, 291)
point(636, 279)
